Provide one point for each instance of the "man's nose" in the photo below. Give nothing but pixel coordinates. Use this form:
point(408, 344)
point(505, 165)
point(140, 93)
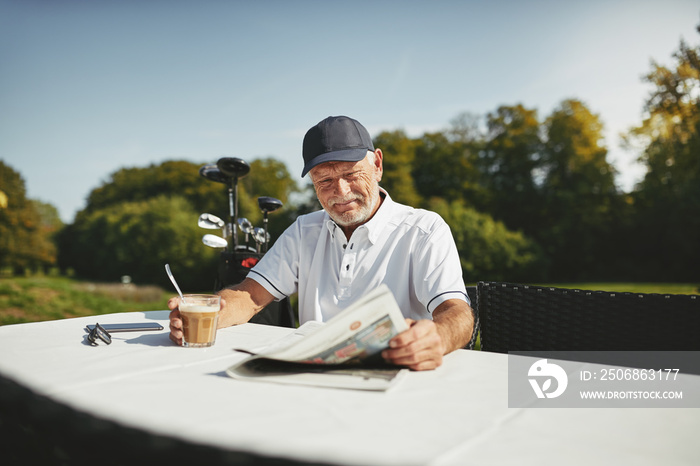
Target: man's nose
point(342, 186)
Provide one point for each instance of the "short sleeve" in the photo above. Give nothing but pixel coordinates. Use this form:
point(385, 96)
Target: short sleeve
point(278, 270)
point(437, 272)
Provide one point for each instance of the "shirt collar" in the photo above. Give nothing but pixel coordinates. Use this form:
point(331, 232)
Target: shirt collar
point(381, 218)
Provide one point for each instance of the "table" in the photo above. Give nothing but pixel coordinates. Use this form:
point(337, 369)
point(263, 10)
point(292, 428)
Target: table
point(457, 414)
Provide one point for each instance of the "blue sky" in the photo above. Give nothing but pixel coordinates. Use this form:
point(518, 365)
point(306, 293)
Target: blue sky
point(89, 87)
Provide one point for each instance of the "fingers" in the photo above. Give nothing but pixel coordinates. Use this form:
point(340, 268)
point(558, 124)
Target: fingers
point(173, 303)
point(427, 359)
point(175, 321)
point(419, 348)
point(175, 338)
point(420, 335)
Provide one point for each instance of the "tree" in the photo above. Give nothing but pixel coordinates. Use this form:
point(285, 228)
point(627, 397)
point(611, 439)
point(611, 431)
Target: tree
point(667, 201)
point(26, 226)
point(399, 155)
point(143, 217)
point(487, 249)
point(509, 166)
point(579, 193)
point(446, 167)
point(181, 178)
point(138, 239)
point(268, 177)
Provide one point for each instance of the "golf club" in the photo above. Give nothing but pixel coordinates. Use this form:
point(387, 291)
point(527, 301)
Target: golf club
point(246, 227)
point(259, 236)
point(212, 173)
point(233, 168)
point(214, 241)
point(210, 222)
point(235, 259)
point(268, 204)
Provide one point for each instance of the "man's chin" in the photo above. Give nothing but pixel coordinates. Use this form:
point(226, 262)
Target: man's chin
point(345, 211)
point(348, 218)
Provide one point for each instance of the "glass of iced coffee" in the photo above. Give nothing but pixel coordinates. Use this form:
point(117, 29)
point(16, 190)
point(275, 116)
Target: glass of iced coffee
point(200, 315)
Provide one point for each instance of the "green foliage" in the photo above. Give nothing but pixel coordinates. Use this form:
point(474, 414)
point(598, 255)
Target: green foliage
point(172, 178)
point(267, 177)
point(579, 193)
point(574, 159)
point(399, 156)
point(142, 218)
point(509, 166)
point(549, 183)
point(446, 168)
point(26, 226)
point(138, 239)
point(487, 249)
point(667, 201)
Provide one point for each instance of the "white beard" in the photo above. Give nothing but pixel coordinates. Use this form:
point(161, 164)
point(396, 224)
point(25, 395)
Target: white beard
point(358, 216)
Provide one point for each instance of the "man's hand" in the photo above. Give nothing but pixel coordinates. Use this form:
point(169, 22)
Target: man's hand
point(420, 347)
point(238, 304)
point(175, 320)
point(423, 345)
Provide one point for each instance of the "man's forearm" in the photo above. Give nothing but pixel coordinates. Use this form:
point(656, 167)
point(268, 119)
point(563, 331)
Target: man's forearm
point(455, 324)
point(243, 301)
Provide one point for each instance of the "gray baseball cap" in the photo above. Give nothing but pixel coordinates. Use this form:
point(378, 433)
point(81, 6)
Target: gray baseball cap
point(335, 139)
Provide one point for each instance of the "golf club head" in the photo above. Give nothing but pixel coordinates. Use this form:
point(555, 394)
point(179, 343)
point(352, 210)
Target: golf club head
point(210, 222)
point(214, 241)
point(233, 167)
point(245, 225)
point(269, 204)
point(212, 173)
point(259, 235)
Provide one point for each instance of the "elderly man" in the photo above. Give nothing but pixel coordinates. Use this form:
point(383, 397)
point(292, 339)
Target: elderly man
point(361, 239)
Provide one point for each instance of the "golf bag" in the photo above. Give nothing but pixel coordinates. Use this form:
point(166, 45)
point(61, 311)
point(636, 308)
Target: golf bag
point(233, 268)
point(236, 260)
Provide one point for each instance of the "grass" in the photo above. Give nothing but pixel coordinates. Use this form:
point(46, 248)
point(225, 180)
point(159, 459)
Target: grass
point(32, 299)
point(670, 288)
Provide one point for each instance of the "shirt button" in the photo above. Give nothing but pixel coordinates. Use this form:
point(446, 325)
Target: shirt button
point(345, 246)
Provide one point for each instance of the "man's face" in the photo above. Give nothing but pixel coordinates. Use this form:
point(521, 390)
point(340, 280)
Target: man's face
point(349, 191)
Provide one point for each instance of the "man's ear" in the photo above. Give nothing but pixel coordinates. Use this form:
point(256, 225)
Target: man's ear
point(378, 163)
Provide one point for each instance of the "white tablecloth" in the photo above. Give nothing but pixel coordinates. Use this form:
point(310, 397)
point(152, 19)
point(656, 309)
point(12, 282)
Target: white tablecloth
point(457, 414)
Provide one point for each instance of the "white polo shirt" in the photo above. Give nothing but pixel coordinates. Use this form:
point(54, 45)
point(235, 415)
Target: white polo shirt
point(410, 250)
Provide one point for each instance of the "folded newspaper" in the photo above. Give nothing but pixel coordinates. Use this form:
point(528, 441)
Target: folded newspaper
point(345, 352)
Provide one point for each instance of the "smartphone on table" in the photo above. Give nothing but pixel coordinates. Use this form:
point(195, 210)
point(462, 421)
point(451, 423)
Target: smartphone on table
point(129, 327)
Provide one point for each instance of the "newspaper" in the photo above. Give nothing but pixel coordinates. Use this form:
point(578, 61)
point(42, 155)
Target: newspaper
point(345, 352)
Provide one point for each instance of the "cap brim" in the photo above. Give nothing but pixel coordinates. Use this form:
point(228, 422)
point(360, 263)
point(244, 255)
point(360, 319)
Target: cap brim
point(347, 155)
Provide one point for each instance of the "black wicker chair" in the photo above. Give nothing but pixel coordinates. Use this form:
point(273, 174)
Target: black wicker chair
point(533, 318)
point(471, 292)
